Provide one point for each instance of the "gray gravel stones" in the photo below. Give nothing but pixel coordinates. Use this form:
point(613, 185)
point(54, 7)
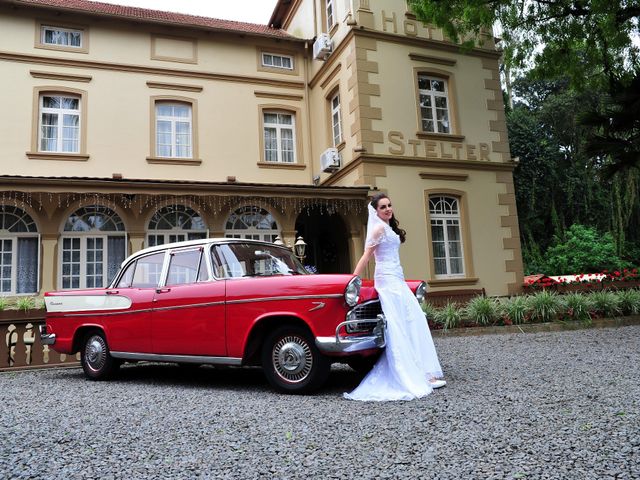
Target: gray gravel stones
point(520, 406)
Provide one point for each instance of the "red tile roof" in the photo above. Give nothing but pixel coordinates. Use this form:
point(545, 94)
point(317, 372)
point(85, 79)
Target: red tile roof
point(157, 16)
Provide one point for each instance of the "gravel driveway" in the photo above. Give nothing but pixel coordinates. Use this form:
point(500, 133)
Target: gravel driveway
point(534, 406)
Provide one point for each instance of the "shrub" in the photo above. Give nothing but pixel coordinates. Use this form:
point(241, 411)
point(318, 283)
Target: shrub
point(577, 306)
point(430, 312)
point(605, 303)
point(514, 310)
point(545, 306)
point(629, 301)
point(3, 304)
point(482, 310)
point(583, 249)
point(449, 316)
point(26, 303)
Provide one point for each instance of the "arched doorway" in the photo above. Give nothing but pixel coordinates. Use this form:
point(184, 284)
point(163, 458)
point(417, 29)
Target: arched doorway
point(326, 238)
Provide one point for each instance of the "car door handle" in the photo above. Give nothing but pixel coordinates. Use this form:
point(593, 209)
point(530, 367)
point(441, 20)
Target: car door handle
point(163, 290)
point(112, 292)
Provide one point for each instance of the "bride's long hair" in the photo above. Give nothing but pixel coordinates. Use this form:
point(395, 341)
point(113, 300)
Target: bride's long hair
point(393, 221)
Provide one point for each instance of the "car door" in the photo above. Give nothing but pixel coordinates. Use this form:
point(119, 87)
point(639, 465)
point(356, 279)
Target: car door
point(189, 308)
point(130, 331)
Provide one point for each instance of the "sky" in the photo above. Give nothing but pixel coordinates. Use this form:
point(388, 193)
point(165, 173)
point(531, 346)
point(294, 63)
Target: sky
point(252, 11)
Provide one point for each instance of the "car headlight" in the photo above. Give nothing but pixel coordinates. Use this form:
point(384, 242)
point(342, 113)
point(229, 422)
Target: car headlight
point(421, 292)
point(352, 292)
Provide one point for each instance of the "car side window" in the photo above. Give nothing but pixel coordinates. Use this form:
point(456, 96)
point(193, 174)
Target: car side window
point(148, 271)
point(184, 267)
point(226, 263)
point(127, 276)
point(203, 272)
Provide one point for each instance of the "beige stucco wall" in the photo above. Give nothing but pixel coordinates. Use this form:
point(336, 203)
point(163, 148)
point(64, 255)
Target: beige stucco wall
point(118, 103)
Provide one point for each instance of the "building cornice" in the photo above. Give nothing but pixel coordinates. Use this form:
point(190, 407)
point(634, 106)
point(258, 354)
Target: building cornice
point(422, 162)
point(142, 186)
point(88, 64)
point(426, 43)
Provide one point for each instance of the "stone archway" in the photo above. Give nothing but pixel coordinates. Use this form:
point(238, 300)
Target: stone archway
point(327, 240)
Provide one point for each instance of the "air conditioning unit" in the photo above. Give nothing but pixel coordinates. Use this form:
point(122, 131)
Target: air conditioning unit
point(322, 47)
point(330, 160)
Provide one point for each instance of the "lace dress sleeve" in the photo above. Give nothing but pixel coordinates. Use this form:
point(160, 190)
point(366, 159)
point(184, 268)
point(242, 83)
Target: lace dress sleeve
point(375, 237)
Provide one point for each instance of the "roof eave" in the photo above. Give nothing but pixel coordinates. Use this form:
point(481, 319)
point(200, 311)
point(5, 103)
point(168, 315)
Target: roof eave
point(286, 37)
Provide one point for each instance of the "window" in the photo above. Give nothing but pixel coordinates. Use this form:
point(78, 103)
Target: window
point(143, 273)
point(184, 267)
point(19, 252)
point(61, 36)
point(252, 222)
point(173, 130)
point(175, 223)
point(336, 120)
point(59, 129)
point(277, 61)
point(279, 137)
point(330, 14)
point(434, 104)
point(446, 236)
point(93, 247)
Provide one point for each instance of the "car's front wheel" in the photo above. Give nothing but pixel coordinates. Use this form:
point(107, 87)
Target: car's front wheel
point(291, 361)
point(97, 362)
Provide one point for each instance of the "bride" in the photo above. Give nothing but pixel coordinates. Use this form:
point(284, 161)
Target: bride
point(409, 366)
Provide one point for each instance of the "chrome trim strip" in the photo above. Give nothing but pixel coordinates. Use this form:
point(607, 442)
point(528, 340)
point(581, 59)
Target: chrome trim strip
point(290, 297)
point(318, 306)
point(155, 357)
point(104, 314)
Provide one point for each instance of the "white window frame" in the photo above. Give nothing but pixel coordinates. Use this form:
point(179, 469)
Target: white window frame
point(61, 30)
point(175, 234)
point(443, 220)
point(279, 128)
point(433, 95)
point(83, 237)
point(173, 120)
point(336, 120)
point(13, 237)
point(60, 113)
point(251, 232)
point(330, 12)
point(273, 63)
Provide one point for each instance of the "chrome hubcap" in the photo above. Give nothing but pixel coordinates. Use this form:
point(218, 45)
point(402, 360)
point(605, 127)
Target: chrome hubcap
point(292, 359)
point(95, 353)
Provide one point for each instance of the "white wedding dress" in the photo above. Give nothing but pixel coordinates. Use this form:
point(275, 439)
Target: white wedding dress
point(409, 360)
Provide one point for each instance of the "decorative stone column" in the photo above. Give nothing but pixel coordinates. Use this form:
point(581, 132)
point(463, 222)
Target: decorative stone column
point(136, 241)
point(49, 262)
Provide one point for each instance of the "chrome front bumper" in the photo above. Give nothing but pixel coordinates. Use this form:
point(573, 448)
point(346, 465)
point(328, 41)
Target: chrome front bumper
point(352, 344)
point(46, 338)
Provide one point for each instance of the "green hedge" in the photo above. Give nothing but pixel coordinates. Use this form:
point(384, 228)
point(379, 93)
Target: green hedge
point(543, 306)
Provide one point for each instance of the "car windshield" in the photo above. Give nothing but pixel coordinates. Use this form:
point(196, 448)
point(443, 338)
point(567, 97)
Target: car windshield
point(254, 259)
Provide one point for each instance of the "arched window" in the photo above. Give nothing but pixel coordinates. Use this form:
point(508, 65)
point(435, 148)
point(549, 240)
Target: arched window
point(19, 252)
point(93, 247)
point(175, 223)
point(252, 222)
point(446, 236)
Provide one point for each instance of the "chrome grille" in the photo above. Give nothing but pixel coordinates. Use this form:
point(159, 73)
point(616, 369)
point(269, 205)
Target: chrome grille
point(366, 312)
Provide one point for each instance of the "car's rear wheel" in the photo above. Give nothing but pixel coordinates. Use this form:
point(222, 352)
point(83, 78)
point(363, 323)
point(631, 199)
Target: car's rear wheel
point(291, 361)
point(97, 362)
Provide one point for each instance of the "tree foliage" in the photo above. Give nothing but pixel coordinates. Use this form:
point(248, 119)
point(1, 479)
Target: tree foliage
point(565, 38)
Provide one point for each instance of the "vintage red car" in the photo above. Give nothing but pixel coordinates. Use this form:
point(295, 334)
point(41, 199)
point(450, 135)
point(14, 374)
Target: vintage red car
point(221, 302)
